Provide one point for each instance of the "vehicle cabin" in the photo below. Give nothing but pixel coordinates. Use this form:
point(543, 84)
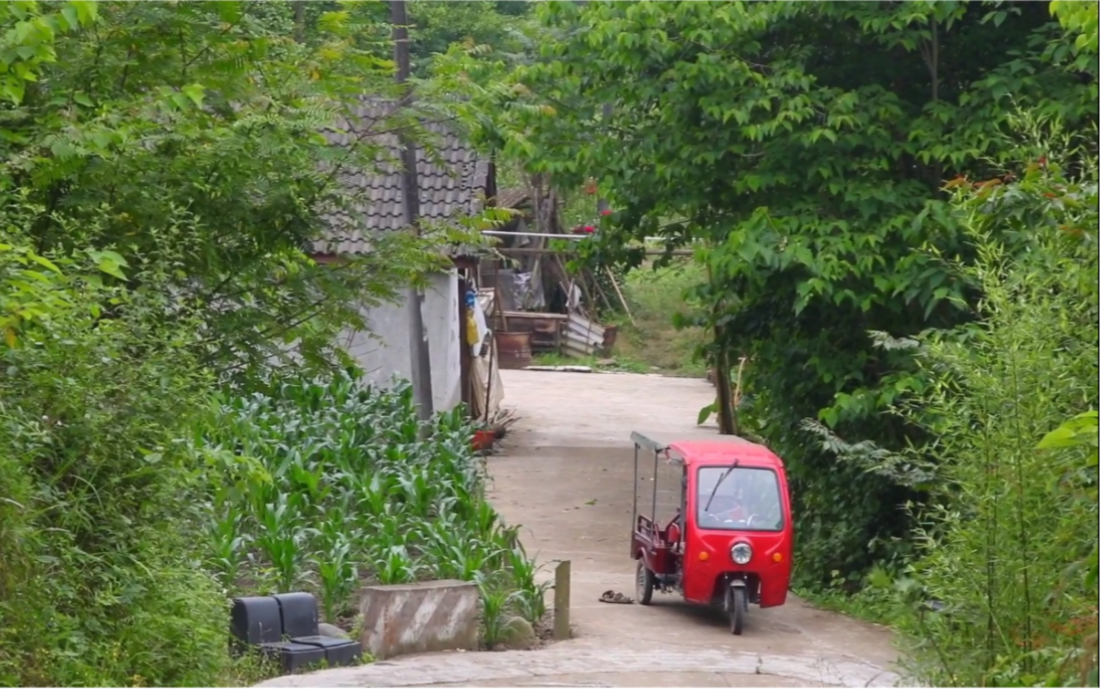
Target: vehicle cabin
point(733, 527)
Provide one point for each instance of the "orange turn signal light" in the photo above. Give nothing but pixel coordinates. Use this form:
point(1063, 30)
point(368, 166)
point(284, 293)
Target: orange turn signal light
point(703, 555)
point(777, 557)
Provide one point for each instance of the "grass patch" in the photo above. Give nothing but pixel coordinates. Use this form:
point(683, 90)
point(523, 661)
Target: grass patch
point(654, 297)
point(868, 604)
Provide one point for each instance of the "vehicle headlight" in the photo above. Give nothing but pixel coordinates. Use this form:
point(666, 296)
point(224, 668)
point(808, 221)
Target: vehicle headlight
point(741, 553)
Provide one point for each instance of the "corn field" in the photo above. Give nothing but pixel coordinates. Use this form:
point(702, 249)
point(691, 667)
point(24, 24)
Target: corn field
point(330, 485)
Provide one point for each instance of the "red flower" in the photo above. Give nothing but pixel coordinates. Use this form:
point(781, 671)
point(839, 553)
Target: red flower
point(589, 229)
point(606, 212)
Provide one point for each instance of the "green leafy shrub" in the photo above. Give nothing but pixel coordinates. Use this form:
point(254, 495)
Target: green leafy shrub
point(99, 585)
point(1009, 544)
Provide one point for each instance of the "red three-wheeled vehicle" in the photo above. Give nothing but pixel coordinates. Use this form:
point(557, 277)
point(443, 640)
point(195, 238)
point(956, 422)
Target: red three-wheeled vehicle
point(728, 541)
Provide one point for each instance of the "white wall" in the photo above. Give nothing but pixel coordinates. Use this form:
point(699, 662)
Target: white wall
point(385, 351)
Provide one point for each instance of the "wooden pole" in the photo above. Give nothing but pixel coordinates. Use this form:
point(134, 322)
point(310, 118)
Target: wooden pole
point(623, 302)
point(491, 358)
point(562, 601)
point(420, 362)
point(467, 394)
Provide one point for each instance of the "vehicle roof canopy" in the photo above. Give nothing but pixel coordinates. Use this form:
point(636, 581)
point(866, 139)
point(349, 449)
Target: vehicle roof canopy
point(706, 447)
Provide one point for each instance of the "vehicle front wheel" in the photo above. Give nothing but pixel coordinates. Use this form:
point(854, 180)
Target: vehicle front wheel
point(644, 583)
point(736, 608)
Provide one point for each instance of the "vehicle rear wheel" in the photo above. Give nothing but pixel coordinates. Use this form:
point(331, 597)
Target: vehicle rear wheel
point(736, 608)
point(644, 583)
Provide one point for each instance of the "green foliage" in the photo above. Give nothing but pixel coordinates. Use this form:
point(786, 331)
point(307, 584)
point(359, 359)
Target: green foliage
point(164, 171)
point(1081, 429)
point(187, 138)
point(28, 42)
point(1010, 545)
point(98, 587)
point(1080, 19)
point(439, 25)
point(327, 485)
point(801, 148)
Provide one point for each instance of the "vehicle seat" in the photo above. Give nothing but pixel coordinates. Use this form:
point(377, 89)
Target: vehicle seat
point(673, 534)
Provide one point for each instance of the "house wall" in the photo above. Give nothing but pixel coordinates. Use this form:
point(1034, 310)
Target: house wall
point(384, 351)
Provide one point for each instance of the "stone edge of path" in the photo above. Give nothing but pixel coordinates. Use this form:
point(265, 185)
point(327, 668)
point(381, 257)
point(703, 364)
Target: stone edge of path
point(578, 659)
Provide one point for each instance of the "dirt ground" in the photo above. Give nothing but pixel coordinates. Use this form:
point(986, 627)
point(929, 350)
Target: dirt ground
point(566, 475)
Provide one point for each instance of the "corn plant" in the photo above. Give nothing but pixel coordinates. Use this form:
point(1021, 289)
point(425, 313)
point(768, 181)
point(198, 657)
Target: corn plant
point(396, 567)
point(347, 480)
point(282, 539)
point(375, 494)
point(485, 518)
point(456, 555)
point(495, 603)
point(418, 491)
point(338, 575)
point(531, 600)
point(229, 545)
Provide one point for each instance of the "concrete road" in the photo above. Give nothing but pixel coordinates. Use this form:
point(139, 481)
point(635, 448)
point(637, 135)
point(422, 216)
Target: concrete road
point(566, 475)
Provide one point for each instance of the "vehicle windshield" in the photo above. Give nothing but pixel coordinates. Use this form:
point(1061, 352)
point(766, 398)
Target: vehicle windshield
point(746, 499)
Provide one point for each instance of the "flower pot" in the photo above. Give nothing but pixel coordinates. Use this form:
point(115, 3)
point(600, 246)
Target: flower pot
point(483, 440)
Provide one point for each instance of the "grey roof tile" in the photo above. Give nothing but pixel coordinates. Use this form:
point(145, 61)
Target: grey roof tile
point(452, 180)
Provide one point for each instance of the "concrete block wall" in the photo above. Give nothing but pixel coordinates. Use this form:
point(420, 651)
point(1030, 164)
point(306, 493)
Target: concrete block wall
point(419, 618)
point(384, 351)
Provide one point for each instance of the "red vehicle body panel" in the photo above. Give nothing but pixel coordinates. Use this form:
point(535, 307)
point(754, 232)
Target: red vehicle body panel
point(706, 556)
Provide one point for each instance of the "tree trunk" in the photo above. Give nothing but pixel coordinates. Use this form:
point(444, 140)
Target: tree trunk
point(726, 411)
point(300, 20)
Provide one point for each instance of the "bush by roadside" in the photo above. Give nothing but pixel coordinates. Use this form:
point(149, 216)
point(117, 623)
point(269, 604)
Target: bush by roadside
point(1003, 588)
point(1009, 545)
point(100, 584)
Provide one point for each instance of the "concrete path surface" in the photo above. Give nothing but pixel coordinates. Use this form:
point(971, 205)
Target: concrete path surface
point(566, 476)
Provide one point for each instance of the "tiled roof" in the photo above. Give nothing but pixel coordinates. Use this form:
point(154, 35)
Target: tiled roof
point(452, 179)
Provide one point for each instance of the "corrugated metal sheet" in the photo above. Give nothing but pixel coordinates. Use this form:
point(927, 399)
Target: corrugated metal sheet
point(581, 337)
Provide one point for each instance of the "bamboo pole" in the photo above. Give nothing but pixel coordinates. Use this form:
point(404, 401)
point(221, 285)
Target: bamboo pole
point(623, 302)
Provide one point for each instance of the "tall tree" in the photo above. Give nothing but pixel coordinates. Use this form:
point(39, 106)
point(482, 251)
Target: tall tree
point(187, 138)
point(802, 149)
